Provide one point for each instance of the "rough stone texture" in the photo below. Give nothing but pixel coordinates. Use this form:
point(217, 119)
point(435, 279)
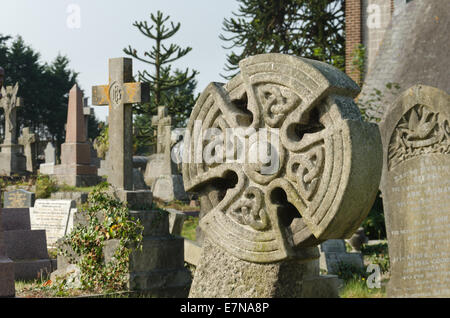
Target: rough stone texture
point(12, 161)
point(334, 255)
point(325, 174)
point(120, 94)
point(415, 188)
point(29, 142)
point(18, 198)
point(221, 275)
point(7, 287)
point(414, 50)
point(161, 172)
point(76, 168)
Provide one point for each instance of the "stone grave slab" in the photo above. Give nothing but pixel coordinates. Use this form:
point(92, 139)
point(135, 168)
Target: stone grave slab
point(53, 216)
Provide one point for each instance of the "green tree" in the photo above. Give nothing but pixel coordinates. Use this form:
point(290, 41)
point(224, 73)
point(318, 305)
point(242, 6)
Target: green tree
point(44, 87)
point(59, 80)
point(307, 28)
point(168, 87)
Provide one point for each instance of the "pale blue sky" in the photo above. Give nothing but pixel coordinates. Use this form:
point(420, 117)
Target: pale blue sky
point(106, 28)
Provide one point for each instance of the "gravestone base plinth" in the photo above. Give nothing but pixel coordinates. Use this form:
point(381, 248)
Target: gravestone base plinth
point(47, 168)
point(7, 287)
point(222, 275)
point(157, 270)
point(12, 161)
point(76, 175)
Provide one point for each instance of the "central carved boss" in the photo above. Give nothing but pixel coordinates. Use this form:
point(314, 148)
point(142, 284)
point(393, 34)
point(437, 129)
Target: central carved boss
point(328, 161)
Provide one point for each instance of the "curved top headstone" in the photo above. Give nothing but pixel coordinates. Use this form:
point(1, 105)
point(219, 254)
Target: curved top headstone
point(322, 173)
point(416, 192)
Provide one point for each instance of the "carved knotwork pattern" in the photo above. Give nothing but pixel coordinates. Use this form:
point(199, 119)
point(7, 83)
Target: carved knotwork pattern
point(420, 131)
point(259, 216)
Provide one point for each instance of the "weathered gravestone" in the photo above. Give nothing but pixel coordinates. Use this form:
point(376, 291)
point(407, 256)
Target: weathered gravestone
point(263, 219)
point(27, 248)
point(53, 216)
point(334, 257)
point(29, 141)
point(7, 287)
point(76, 168)
point(18, 198)
point(48, 167)
point(416, 192)
point(160, 173)
point(12, 161)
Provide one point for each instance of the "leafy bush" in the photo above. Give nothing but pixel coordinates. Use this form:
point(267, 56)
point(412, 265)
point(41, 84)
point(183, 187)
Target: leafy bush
point(377, 254)
point(107, 219)
point(45, 187)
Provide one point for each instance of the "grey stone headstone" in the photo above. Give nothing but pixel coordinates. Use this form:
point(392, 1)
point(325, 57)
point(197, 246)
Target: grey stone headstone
point(416, 192)
point(50, 154)
point(18, 198)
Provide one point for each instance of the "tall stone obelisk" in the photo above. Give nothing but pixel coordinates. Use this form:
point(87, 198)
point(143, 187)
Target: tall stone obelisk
point(76, 168)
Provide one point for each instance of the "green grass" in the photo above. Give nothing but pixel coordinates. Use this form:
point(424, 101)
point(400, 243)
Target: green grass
point(189, 228)
point(357, 288)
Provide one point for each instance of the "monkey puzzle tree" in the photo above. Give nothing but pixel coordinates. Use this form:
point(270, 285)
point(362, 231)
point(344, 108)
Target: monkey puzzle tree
point(307, 28)
point(167, 87)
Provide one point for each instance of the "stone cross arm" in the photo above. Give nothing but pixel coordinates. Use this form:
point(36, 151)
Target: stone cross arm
point(130, 93)
point(163, 118)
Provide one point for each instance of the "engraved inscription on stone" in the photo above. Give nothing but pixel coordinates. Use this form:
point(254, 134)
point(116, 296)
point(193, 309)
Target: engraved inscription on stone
point(53, 216)
point(416, 193)
point(18, 199)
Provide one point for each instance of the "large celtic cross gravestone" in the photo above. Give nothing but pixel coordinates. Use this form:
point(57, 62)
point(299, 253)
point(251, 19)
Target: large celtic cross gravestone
point(120, 94)
point(416, 192)
point(265, 218)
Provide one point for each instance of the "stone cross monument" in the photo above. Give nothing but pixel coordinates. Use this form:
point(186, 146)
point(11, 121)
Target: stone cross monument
point(12, 161)
point(76, 168)
point(28, 141)
point(263, 216)
point(160, 173)
point(120, 94)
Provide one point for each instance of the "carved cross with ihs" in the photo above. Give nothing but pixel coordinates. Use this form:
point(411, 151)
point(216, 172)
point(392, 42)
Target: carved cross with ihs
point(120, 94)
